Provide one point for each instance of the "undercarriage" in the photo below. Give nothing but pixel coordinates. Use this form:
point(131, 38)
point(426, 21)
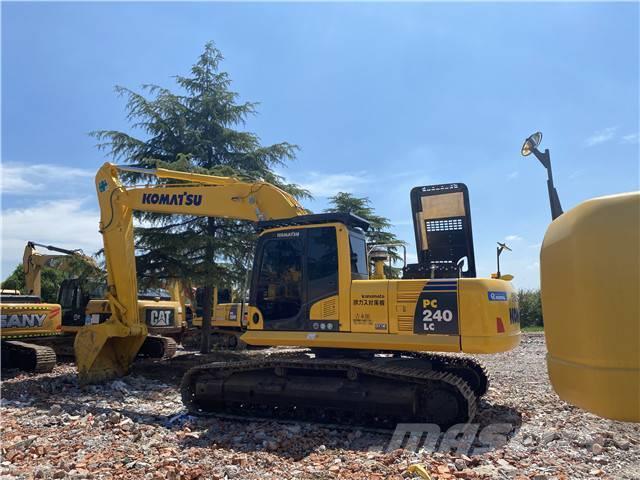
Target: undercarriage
point(380, 390)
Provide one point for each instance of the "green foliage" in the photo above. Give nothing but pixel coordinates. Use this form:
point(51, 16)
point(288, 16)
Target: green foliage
point(378, 232)
point(530, 308)
point(55, 271)
point(195, 129)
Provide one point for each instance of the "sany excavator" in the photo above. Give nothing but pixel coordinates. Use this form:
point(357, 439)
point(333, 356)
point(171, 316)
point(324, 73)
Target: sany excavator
point(310, 288)
point(82, 304)
point(26, 319)
point(27, 322)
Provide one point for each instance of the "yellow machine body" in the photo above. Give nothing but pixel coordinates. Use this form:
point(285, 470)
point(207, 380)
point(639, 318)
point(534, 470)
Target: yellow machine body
point(451, 314)
point(226, 315)
point(108, 349)
point(162, 316)
point(472, 315)
point(591, 306)
point(23, 320)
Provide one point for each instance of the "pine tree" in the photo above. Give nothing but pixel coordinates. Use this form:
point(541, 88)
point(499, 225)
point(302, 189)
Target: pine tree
point(378, 232)
point(195, 130)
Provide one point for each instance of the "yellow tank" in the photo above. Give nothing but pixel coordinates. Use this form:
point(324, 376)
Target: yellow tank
point(590, 279)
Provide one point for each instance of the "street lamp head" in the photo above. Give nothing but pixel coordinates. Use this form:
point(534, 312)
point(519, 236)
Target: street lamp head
point(531, 143)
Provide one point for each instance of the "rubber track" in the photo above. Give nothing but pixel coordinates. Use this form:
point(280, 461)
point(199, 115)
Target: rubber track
point(45, 357)
point(446, 361)
point(398, 373)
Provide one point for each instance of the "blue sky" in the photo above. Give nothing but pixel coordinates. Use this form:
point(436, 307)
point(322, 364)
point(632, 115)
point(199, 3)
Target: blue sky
point(380, 98)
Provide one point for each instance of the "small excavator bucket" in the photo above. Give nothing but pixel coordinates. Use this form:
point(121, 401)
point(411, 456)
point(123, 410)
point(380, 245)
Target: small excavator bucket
point(107, 350)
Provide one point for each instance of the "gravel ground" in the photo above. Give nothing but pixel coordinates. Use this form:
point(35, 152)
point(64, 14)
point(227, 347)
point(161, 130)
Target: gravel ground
point(136, 428)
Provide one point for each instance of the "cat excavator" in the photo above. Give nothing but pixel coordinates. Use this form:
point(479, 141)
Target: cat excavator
point(367, 339)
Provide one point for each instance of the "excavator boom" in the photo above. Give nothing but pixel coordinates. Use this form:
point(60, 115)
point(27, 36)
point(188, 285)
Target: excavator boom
point(107, 350)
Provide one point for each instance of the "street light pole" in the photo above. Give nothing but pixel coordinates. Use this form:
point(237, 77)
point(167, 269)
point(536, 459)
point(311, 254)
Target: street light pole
point(531, 146)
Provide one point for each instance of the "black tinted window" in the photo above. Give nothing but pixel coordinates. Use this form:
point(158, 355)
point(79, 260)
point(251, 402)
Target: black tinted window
point(322, 262)
point(279, 289)
point(358, 248)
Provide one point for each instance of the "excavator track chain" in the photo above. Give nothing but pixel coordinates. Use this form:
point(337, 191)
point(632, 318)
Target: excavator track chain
point(468, 368)
point(377, 391)
point(28, 356)
point(156, 346)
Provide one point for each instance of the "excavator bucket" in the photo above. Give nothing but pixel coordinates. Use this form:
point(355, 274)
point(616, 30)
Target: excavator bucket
point(107, 350)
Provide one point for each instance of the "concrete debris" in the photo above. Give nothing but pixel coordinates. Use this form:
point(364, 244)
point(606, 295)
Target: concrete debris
point(137, 428)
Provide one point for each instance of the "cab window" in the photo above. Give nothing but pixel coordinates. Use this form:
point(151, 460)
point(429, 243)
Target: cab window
point(358, 247)
point(322, 263)
point(279, 288)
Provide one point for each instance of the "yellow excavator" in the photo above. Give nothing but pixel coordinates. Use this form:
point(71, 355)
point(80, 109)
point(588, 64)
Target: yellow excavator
point(310, 287)
point(82, 303)
point(27, 322)
point(590, 287)
point(26, 319)
point(228, 321)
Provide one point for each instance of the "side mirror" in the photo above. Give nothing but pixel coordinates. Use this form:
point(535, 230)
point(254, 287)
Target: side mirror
point(531, 143)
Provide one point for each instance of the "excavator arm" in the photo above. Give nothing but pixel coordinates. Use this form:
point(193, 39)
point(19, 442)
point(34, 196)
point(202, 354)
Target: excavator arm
point(107, 350)
point(33, 261)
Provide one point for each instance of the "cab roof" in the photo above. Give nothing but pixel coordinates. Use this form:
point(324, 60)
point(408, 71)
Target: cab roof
point(348, 219)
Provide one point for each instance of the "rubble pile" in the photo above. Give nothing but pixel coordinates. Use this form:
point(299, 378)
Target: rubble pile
point(137, 428)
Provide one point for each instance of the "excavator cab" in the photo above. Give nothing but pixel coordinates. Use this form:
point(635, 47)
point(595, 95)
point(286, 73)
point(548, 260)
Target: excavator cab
point(442, 225)
point(73, 301)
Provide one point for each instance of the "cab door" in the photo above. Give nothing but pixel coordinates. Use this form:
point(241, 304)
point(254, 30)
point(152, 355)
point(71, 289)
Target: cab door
point(73, 303)
point(295, 269)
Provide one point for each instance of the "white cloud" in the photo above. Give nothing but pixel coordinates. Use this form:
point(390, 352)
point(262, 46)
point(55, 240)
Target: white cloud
point(64, 223)
point(328, 184)
point(513, 238)
point(631, 138)
point(534, 266)
point(21, 179)
point(513, 175)
point(601, 136)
